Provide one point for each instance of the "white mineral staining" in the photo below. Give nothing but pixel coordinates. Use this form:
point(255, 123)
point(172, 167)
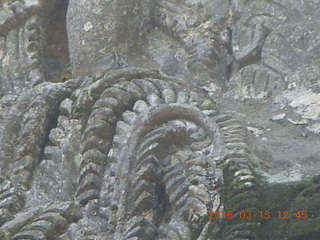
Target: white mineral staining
point(305, 106)
point(315, 128)
point(216, 203)
point(278, 117)
point(308, 105)
point(255, 131)
point(290, 175)
point(6, 60)
point(292, 85)
point(211, 89)
point(87, 26)
point(31, 3)
point(298, 122)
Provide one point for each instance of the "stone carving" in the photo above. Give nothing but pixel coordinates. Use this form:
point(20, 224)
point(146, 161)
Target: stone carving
point(20, 59)
point(132, 124)
point(110, 127)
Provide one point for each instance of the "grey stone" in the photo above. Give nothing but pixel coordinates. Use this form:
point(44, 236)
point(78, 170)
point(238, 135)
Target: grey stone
point(126, 119)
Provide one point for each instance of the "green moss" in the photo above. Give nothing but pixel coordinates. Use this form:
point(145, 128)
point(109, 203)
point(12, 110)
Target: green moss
point(309, 199)
point(290, 197)
point(3, 236)
point(196, 230)
point(316, 179)
point(294, 198)
point(228, 175)
point(305, 229)
point(97, 93)
point(240, 197)
point(278, 197)
point(255, 160)
point(195, 234)
point(81, 111)
point(73, 97)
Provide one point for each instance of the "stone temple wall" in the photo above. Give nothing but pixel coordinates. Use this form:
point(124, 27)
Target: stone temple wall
point(124, 119)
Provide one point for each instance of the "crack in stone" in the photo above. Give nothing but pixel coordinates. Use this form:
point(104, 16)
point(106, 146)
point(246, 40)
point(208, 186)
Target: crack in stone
point(230, 60)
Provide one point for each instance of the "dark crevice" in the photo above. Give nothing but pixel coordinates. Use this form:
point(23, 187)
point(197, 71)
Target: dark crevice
point(230, 51)
point(56, 60)
point(164, 207)
point(53, 123)
point(230, 61)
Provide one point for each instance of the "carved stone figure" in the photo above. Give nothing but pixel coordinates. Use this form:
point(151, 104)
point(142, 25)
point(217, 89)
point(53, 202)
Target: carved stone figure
point(160, 120)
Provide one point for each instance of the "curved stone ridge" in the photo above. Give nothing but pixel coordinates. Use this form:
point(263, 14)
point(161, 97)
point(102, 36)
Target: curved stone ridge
point(149, 160)
point(129, 109)
point(121, 152)
point(19, 26)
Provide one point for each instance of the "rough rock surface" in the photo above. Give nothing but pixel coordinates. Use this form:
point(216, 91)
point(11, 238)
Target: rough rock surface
point(124, 119)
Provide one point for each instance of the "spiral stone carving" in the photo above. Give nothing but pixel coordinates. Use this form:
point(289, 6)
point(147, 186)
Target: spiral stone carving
point(140, 120)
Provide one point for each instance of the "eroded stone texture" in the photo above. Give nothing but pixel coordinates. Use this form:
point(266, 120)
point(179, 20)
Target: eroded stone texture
point(106, 27)
point(131, 120)
point(19, 54)
point(33, 44)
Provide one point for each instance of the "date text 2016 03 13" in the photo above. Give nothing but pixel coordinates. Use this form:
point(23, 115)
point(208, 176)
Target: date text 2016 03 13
point(260, 214)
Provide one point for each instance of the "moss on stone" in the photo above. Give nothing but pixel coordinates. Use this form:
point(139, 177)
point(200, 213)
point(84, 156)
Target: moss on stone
point(3, 236)
point(195, 233)
point(305, 229)
point(73, 97)
point(293, 198)
point(239, 196)
point(300, 199)
point(97, 93)
point(255, 161)
point(81, 111)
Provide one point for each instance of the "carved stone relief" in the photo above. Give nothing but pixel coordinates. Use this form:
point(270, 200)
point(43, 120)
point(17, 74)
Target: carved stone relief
point(135, 119)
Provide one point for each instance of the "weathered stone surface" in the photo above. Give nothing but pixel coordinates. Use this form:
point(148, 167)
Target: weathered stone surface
point(127, 119)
